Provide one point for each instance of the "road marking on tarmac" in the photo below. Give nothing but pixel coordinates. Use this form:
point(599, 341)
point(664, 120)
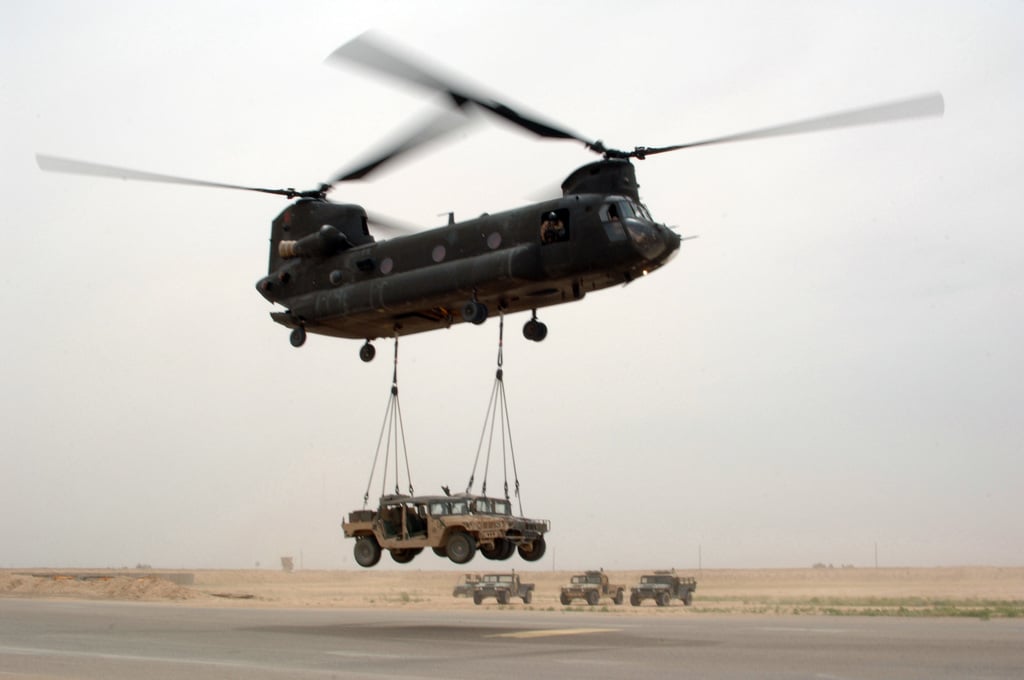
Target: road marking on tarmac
point(553, 632)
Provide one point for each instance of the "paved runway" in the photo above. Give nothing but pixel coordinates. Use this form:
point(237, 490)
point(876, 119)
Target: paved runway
point(114, 641)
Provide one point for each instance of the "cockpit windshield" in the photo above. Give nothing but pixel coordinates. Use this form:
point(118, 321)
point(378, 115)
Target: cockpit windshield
point(625, 218)
point(624, 208)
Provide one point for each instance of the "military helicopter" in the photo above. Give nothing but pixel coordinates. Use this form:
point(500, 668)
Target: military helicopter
point(334, 278)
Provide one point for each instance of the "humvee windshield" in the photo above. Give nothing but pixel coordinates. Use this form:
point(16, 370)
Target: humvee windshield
point(656, 579)
point(446, 507)
point(492, 506)
point(586, 579)
point(497, 578)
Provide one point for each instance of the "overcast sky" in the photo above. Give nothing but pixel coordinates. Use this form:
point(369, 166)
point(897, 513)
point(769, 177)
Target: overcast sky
point(834, 364)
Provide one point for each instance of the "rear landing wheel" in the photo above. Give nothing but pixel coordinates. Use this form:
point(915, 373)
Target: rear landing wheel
point(535, 330)
point(474, 312)
point(367, 352)
point(298, 337)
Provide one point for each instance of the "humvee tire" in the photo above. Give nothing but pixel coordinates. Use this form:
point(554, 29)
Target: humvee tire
point(619, 597)
point(528, 597)
point(366, 551)
point(461, 547)
point(534, 552)
point(404, 555)
point(509, 551)
point(634, 599)
point(495, 553)
point(662, 599)
point(593, 597)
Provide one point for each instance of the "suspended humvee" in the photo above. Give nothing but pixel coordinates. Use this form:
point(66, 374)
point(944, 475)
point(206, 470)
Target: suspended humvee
point(453, 526)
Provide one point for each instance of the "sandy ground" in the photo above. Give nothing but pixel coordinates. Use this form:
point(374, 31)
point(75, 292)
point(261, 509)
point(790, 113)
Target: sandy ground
point(758, 591)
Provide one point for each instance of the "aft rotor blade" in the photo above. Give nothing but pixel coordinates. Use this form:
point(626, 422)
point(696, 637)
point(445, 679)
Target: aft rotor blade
point(916, 107)
point(391, 225)
point(424, 132)
point(370, 52)
point(57, 164)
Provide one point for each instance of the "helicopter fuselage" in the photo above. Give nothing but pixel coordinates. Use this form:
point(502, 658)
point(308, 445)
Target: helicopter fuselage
point(336, 280)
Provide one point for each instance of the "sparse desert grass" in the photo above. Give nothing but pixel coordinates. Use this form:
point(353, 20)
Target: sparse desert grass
point(978, 592)
point(865, 606)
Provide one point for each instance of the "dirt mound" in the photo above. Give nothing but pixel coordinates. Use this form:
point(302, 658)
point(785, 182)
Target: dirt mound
point(142, 588)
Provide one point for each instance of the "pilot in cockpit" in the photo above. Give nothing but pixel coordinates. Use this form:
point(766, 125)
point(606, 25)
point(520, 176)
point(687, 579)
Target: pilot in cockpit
point(552, 229)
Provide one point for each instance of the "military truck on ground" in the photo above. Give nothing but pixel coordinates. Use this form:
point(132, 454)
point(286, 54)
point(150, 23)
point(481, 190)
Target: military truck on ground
point(663, 587)
point(453, 526)
point(502, 587)
point(464, 588)
point(591, 586)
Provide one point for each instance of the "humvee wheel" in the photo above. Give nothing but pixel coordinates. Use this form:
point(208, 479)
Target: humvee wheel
point(618, 597)
point(440, 552)
point(366, 551)
point(534, 552)
point(662, 599)
point(477, 598)
point(688, 598)
point(565, 599)
point(504, 597)
point(404, 555)
point(593, 597)
point(528, 597)
point(509, 551)
point(496, 551)
point(634, 599)
point(461, 547)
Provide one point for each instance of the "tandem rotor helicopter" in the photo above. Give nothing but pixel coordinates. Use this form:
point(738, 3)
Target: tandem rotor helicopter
point(333, 278)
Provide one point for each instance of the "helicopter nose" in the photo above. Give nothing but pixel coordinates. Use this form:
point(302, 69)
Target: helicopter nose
point(671, 240)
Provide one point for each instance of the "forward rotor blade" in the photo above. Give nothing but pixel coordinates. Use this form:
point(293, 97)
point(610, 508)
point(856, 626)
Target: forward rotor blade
point(916, 107)
point(57, 164)
point(372, 53)
point(426, 131)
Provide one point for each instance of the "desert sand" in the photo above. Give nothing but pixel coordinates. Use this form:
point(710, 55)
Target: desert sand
point(945, 591)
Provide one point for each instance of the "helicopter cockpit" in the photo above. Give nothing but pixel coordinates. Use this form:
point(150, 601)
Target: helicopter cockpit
point(624, 218)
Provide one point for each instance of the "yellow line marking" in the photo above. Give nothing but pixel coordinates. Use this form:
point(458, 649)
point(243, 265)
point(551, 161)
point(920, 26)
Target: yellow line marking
point(553, 632)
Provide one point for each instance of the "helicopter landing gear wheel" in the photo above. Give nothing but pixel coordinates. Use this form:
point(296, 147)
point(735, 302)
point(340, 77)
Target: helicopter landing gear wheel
point(298, 337)
point(474, 312)
point(535, 330)
point(367, 352)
